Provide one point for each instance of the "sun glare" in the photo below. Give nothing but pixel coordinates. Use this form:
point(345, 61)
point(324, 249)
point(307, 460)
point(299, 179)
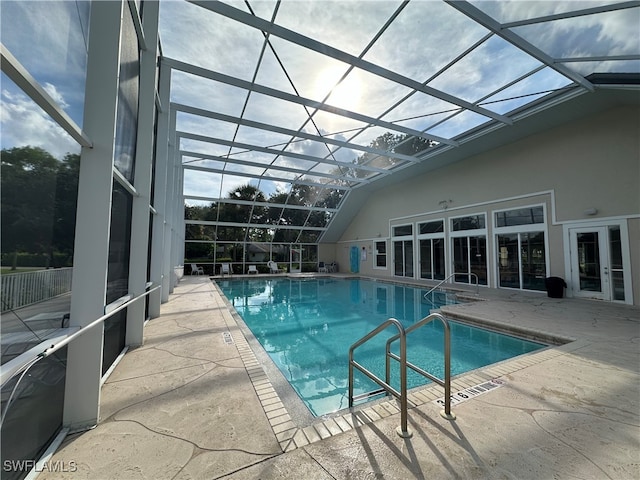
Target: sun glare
point(345, 95)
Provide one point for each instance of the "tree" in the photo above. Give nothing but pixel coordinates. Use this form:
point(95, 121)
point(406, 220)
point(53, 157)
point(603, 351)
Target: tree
point(38, 201)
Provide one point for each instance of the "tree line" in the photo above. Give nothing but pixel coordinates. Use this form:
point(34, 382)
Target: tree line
point(38, 206)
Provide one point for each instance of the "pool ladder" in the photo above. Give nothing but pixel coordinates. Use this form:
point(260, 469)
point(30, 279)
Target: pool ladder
point(442, 282)
point(402, 430)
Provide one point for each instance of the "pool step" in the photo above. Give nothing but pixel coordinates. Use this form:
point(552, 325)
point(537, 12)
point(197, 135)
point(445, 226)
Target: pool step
point(367, 395)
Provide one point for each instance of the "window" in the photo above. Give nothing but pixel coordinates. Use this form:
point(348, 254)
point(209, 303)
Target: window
point(431, 250)
point(471, 222)
point(403, 251)
point(402, 230)
point(431, 227)
point(381, 254)
point(521, 250)
point(469, 245)
point(520, 216)
point(616, 263)
point(521, 260)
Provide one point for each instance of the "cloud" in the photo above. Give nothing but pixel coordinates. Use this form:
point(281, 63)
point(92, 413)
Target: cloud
point(55, 95)
point(49, 40)
point(24, 123)
point(425, 38)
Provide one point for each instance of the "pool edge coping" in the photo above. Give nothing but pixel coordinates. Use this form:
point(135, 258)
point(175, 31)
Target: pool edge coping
point(291, 436)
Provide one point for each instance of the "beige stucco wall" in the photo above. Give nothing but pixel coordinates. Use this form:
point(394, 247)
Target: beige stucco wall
point(592, 163)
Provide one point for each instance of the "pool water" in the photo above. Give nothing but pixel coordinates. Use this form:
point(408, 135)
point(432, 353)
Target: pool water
point(307, 326)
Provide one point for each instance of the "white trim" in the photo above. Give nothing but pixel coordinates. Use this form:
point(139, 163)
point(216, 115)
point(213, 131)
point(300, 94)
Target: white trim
point(93, 217)
point(463, 233)
point(124, 183)
point(483, 204)
point(431, 236)
point(625, 245)
point(591, 221)
point(375, 254)
point(113, 366)
point(476, 232)
point(518, 229)
point(48, 454)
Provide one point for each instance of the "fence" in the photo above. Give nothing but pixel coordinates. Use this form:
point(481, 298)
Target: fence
point(22, 289)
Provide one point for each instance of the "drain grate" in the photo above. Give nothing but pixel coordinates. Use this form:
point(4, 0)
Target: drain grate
point(468, 393)
point(227, 338)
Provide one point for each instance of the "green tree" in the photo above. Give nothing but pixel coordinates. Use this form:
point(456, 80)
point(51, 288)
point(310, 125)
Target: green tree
point(38, 201)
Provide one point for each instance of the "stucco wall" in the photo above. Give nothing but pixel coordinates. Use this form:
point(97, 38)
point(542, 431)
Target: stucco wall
point(592, 163)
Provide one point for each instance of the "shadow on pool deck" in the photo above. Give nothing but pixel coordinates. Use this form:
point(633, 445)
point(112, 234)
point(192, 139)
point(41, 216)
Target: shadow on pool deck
point(195, 402)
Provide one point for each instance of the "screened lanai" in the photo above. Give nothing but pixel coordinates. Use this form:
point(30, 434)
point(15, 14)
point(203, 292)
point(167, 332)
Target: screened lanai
point(283, 109)
point(139, 137)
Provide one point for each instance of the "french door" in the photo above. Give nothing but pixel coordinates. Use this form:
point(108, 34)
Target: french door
point(403, 258)
point(597, 262)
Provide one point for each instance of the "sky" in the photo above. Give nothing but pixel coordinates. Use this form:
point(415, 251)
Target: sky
point(50, 40)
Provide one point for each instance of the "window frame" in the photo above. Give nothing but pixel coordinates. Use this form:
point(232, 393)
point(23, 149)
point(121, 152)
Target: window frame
point(519, 230)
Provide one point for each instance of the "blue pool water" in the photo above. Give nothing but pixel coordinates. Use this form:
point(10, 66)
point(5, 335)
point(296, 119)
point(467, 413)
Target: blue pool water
point(307, 326)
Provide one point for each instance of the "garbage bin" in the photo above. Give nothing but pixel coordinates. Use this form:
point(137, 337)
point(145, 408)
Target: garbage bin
point(555, 287)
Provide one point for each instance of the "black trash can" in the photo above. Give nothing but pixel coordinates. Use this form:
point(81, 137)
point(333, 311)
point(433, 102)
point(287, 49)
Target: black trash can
point(555, 287)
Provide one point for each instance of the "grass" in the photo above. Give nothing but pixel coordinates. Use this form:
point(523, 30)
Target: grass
point(7, 270)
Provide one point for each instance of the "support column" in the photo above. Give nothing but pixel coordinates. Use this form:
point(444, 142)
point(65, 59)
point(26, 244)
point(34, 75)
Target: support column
point(143, 168)
point(91, 249)
point(160, 243)
point(170, 232)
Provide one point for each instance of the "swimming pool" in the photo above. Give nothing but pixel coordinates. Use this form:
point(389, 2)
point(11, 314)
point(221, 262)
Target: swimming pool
point(307, 326)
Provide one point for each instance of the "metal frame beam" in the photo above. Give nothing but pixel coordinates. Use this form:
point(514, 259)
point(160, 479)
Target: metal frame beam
point(496, 27)
point(272, 92)
point(263, 166)
point(324, 49)
point(293, 133)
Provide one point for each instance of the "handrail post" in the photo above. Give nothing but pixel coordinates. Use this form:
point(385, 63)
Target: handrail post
point(446, 413)
point(350, 377)
point(403, 430)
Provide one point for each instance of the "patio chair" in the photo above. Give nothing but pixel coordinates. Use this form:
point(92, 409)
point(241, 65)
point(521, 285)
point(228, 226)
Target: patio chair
point(252, 269)
point(273, 266)
point(322, 268)
point(196, 270)
point(225, 269)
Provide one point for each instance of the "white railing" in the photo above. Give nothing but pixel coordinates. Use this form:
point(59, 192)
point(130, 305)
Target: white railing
point(26, 288)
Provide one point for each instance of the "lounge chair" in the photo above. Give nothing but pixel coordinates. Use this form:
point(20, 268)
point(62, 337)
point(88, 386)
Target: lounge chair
point(252, 269)
point(273, 266)
point(196, 270)
point(226, 269)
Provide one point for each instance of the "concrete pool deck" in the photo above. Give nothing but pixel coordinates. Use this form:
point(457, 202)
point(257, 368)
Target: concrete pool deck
point(195, 402)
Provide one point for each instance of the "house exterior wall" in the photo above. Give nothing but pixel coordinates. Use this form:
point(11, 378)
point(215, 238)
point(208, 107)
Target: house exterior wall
point(593, 163)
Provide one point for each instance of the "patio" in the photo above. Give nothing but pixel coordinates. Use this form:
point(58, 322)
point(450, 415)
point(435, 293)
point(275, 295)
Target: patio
point(194, 402)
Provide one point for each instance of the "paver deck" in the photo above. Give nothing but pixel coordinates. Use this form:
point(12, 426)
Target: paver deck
point(196, 401)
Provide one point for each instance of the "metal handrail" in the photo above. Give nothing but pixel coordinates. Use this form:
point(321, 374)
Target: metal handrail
point(402, 394)
point(402, 358)
point(449, 278)
point(55, 347)
point(446, 383)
